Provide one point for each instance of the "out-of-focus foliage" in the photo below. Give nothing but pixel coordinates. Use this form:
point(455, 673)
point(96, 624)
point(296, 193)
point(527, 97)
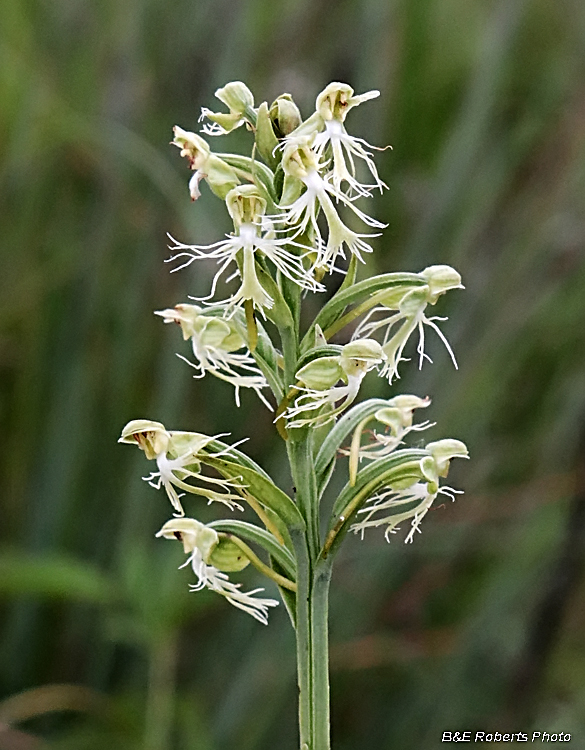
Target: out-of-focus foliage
point(478, 624)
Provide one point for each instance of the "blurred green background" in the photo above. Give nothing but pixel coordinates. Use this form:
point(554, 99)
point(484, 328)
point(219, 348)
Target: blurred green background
point(479, 623)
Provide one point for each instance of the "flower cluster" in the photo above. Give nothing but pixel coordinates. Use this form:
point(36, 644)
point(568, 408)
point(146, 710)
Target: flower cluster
point(295, 211)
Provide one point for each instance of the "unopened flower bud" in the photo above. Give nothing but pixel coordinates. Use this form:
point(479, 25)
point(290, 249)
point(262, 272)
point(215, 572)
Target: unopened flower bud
point(285, 115)
point(151, 437)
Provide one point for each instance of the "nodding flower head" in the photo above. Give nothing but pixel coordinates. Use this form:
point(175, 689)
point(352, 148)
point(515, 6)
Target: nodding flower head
point(209, 555)
point(216, 343)
point(285, 115)
point(238, 99)
point(416, 494)
point(179, 456)
point(321, 399)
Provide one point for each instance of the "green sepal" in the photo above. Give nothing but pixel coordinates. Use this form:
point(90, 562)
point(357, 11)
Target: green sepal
point(256, 172)
point(263, 538)
point(330, 350)
point(227, 556)
point(355, 294)
point(266, 140)
point(261, 488)
point(291, 190)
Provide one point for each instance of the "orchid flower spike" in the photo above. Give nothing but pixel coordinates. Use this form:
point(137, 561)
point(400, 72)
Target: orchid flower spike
point(302, 162)
point(209, 562)
point(247, 208)
point(217, 348)
point(321, 399)
point(220, 177)
point(239, 100)
point(178, 456)
point(417, 494)
point(406, 311)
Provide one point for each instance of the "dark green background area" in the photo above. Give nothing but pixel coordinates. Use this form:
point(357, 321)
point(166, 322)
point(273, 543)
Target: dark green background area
point(479, 623)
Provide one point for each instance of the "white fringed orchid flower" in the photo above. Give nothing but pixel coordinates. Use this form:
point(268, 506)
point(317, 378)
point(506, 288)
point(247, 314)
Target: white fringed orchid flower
point(403, 314)
point(217, 347)
point(201, 543)
point(321, 399)
point(247, 208)
point(397, 419)
point(302, 162)
point(327, 126)
point(417, 496)
point(177, 459)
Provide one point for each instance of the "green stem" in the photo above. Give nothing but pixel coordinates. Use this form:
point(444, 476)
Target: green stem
point(303, 473)
point(303, 638)
point(160, 697)
point(320, 656)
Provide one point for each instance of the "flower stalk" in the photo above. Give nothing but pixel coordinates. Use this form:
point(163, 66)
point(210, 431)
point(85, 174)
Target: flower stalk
point(289, 203)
